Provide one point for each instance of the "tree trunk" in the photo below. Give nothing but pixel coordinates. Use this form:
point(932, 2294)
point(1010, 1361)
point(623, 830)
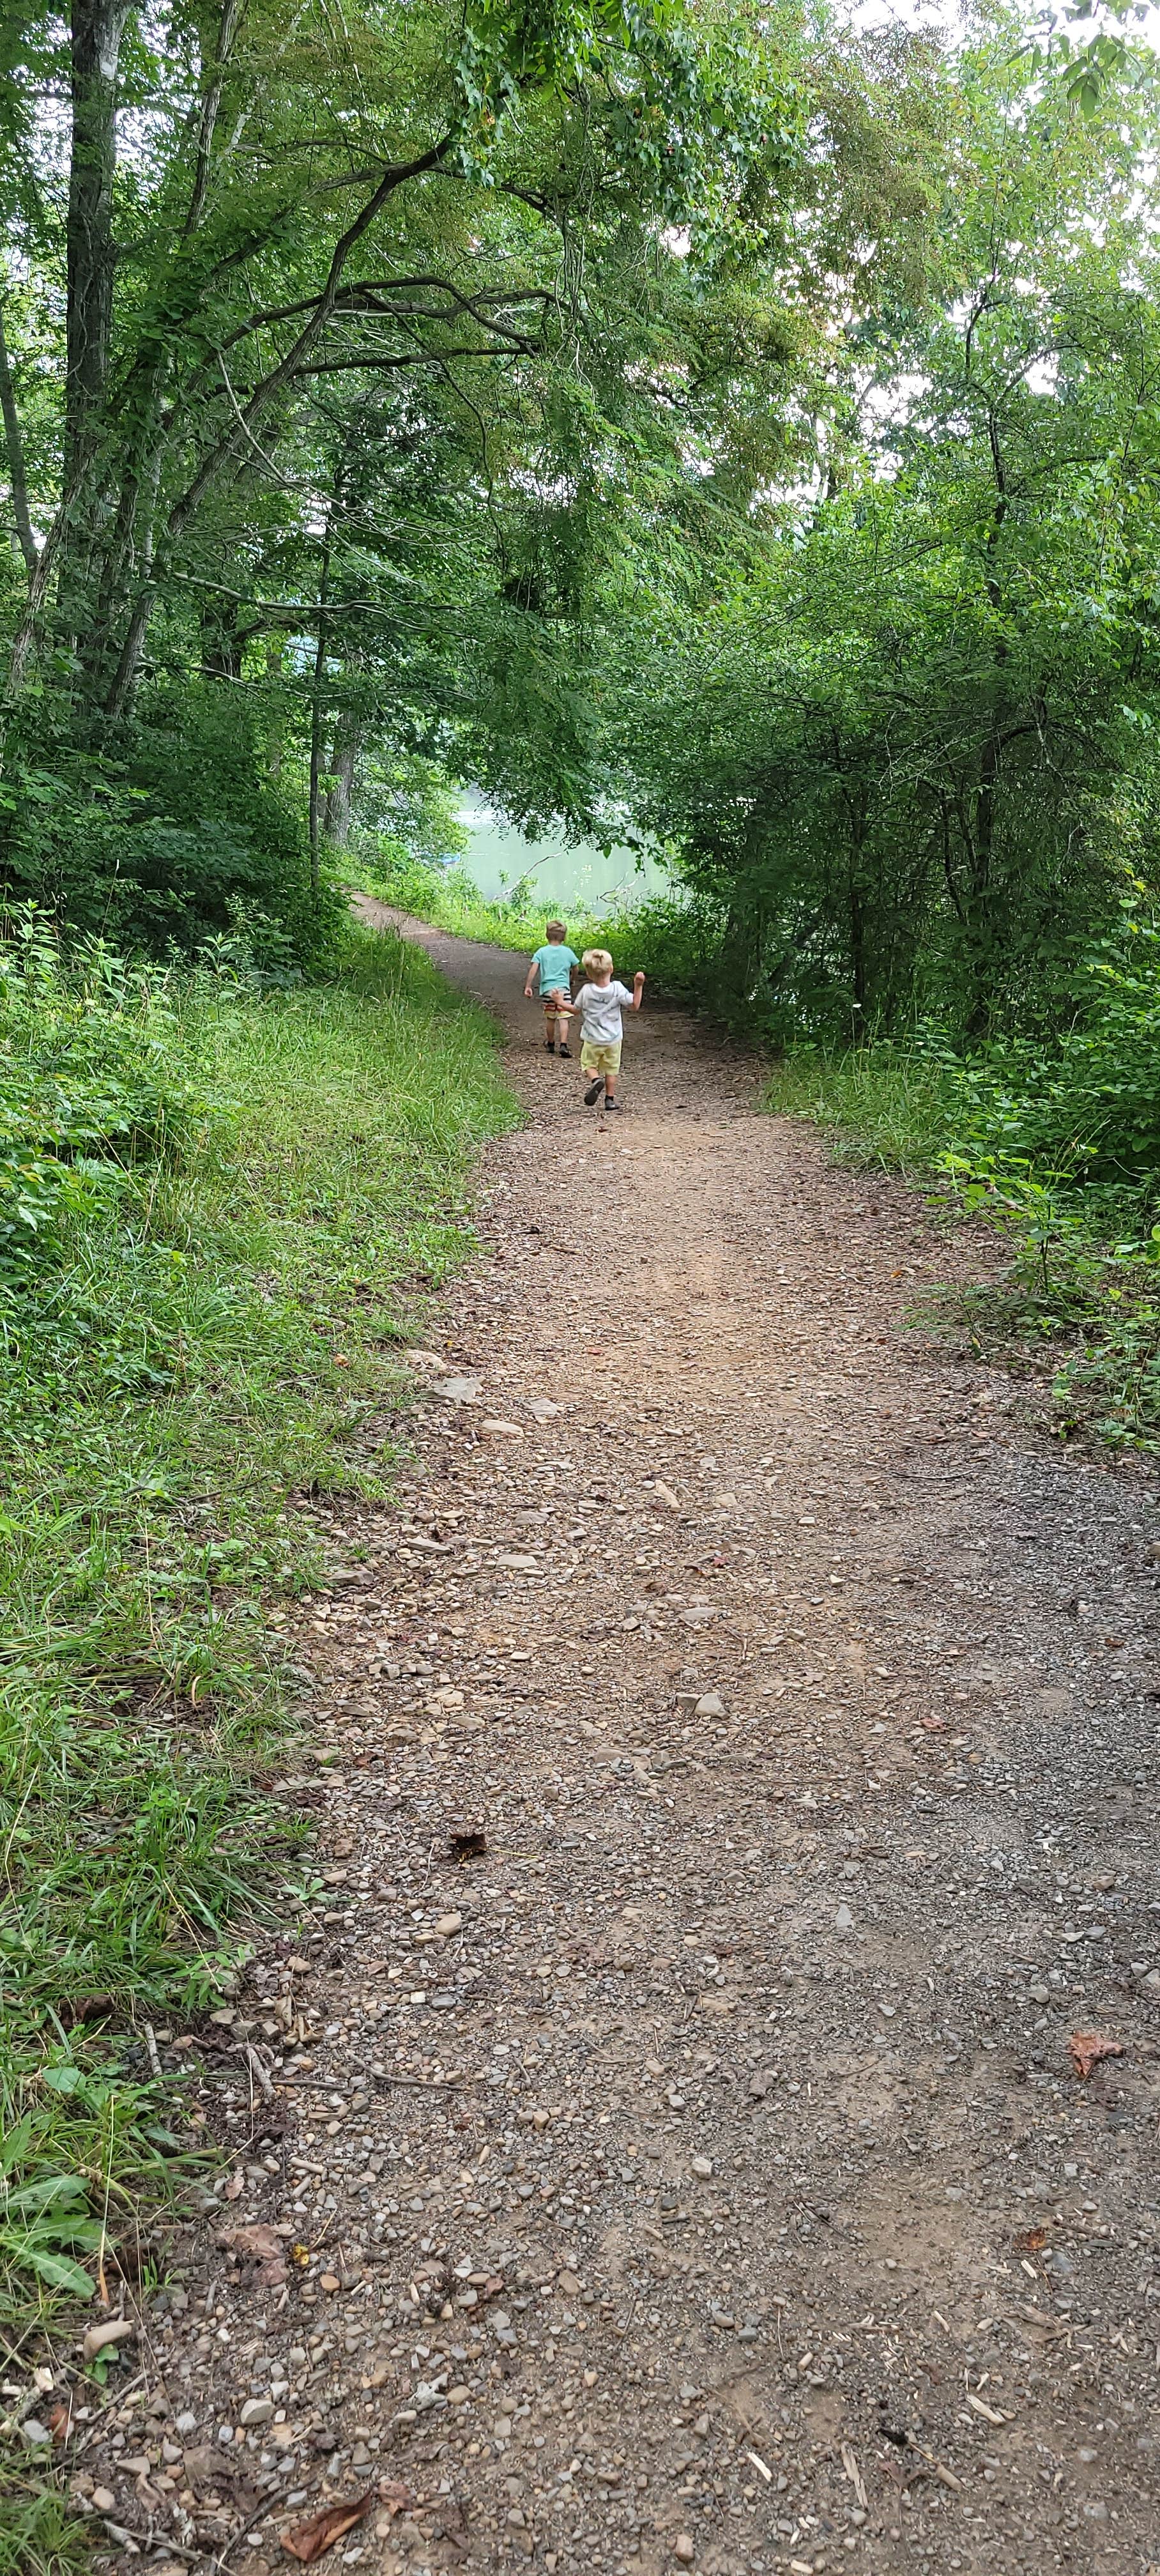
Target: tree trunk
point(97, 29)
point(316, 722)
point(17, 475)
point(348, 740)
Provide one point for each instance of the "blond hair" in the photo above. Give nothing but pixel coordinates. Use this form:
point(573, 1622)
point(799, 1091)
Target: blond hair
point(597, 961)
point(555, 930)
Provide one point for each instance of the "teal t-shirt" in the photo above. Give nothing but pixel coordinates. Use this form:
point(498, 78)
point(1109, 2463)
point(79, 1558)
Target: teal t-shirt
point(555, 963)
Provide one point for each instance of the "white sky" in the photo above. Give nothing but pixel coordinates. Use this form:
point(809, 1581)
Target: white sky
point(946, 14)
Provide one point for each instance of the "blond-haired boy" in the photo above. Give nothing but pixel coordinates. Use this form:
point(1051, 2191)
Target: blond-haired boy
point(598, 1006)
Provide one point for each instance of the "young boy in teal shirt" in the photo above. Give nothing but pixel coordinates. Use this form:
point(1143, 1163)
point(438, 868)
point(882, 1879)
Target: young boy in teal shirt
point(553, 963)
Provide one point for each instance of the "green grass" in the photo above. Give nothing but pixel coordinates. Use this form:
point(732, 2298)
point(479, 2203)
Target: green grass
point(447, 898)
point(877, 1105)
point(199, 1334)
point(39, 2536)
point(1080, 1299)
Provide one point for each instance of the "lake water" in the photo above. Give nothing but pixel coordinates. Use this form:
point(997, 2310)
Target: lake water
point(563, 875)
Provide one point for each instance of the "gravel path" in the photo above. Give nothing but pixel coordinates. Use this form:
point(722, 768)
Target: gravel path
point(694, 2170)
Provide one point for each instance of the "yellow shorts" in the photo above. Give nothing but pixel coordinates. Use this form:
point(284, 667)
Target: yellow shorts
point(600, 1059)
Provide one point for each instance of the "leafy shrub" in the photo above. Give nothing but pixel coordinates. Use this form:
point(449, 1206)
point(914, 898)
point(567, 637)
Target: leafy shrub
point(1086, 1106)
point(171, 835)
point(94, 1076)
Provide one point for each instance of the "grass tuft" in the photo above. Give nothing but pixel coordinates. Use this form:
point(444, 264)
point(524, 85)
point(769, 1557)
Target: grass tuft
point(878, 1105)
point(39, 2535)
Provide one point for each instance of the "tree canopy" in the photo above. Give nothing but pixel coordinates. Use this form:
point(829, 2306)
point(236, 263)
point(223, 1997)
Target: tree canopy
point(683, 419)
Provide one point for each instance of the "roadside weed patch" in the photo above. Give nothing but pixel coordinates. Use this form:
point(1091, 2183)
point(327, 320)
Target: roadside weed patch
point(197, 1336)
point(1000, 1138)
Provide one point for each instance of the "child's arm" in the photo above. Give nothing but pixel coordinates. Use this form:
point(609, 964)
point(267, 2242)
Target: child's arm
point(532, 970)
point(637, 991)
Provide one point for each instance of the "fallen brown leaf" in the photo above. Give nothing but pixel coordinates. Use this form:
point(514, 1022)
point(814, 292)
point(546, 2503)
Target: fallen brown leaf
point(395, 2495)
point(313, 2539)
point(1088, 2048)
point(258, 2242)
point(1032, 2240)
point(58, 2423)
point(77, 2008)
point(261, 2245)
point(233, 2189)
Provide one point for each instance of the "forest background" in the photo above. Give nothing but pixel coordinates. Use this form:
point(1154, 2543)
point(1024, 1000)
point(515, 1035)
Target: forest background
point(724, 429)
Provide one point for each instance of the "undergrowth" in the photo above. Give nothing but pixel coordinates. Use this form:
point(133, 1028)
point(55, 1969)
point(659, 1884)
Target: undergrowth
point(1058, 1143)
point(223, 1205)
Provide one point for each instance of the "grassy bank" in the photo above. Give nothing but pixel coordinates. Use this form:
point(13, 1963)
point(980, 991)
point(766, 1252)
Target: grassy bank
point(1079, 1301)
point(220, 1210)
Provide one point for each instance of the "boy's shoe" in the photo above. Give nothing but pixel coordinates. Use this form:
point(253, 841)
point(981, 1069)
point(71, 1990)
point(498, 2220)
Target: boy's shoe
point(609, 1106)
point(594, 1090)
point(549, 1046)
point(566, 1055)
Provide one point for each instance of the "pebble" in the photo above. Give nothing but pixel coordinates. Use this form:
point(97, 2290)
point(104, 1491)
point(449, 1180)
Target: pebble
point(702, 2166)
point(502, 1430)
point(683, 2549)
point(710, 1704)
point(257, 2410)
point(843, 1920)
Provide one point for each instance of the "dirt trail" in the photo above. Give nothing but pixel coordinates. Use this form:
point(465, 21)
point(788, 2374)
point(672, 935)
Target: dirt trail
point(699, 2175)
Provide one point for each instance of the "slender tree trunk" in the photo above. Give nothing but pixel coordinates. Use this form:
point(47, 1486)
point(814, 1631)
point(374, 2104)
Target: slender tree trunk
point(97, 29)
point(276, 736)
point(857, 807)
point(348, 741)
point(316, 722)
point(17, 474)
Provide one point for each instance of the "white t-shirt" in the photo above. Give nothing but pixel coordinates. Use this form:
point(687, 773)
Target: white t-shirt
point(600, 1006)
